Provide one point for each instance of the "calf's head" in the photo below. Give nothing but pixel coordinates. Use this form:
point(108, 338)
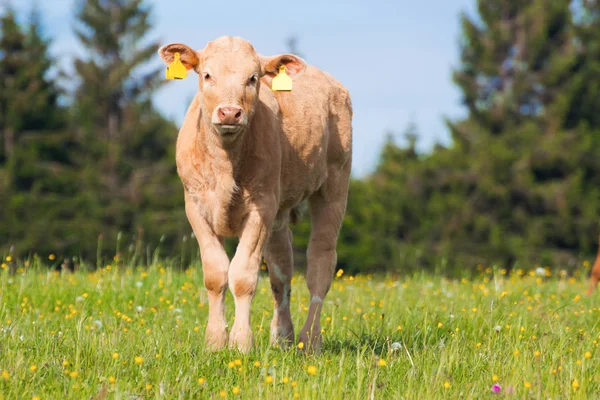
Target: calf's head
point(230, 75)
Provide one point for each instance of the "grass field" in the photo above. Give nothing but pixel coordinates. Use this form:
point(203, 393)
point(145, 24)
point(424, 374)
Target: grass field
point(138, 333)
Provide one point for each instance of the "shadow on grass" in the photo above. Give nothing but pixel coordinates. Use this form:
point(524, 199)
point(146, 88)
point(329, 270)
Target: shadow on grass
point(381, 343)
point(372, 343)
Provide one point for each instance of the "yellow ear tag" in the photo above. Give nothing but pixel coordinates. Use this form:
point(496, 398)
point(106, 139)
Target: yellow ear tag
point(176, 70)
point(282, 82)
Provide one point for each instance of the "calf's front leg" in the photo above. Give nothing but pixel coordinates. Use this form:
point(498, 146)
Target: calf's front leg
point(215, 265)
point(243, 277)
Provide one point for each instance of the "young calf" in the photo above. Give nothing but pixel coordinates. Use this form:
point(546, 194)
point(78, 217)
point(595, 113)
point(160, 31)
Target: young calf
point(595, 274)
point(247, 156)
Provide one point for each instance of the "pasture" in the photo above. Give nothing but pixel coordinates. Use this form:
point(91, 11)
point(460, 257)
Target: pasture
point(126, 332)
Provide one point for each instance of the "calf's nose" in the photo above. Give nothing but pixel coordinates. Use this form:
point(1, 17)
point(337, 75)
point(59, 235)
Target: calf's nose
point(229, 115)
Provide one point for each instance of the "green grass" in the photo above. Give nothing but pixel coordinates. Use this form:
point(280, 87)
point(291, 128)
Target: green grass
point(138, 333)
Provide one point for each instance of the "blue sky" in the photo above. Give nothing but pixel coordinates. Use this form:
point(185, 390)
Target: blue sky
point(395, 57)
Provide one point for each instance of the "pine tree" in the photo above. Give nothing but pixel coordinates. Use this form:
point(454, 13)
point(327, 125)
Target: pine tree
point(12, 43)
point(520, 180)
point(524, 187)
point(585, 96)
point(38, 176)
point(42, 138)
point(130, 172)
point(514, 61)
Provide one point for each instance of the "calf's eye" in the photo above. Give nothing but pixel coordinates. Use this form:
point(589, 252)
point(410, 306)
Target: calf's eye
point(252, 80)
point(206, 76)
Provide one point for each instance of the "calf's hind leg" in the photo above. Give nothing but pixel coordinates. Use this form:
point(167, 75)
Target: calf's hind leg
point(327, 208)
point(279, 257)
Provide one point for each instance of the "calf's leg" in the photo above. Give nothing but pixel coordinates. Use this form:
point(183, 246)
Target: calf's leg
point(243, 278)
point(327, 208)
point(215, 264)
point(595, 275)
point(279, 256)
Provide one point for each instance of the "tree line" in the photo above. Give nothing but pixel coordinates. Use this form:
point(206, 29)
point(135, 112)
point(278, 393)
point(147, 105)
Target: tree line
point(90, 172)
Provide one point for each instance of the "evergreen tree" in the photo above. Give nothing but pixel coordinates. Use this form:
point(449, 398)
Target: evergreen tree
point(520, 180)
point(130, 173)
point(12, 43)
point(585, 96)
point(527, 193)
point(40, 139)
point(38, 173)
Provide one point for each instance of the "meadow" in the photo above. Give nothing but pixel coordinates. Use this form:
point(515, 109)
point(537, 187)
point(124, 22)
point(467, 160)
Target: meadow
point(130, 332)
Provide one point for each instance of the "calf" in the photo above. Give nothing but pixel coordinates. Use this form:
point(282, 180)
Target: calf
point(247, 157)
point(595, 275)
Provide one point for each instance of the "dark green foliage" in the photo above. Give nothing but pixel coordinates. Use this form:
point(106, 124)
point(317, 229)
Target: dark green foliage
point(37, 166)
point(104, 165)
point(518, 183)
point(129, 162)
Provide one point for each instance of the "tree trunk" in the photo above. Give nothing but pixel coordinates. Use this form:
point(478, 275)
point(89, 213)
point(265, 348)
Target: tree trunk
point(9, 142)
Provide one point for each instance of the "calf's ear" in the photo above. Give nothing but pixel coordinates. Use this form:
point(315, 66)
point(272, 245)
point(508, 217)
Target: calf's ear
point(294, 65)
point(190, 58)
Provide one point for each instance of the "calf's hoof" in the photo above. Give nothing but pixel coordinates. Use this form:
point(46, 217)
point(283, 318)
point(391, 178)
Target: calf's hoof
point(240, 339)
point(311, 340)
point(216, 339)
point(282, 334)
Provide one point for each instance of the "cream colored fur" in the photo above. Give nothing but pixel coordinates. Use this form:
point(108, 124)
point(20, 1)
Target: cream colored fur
point(244, 181)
